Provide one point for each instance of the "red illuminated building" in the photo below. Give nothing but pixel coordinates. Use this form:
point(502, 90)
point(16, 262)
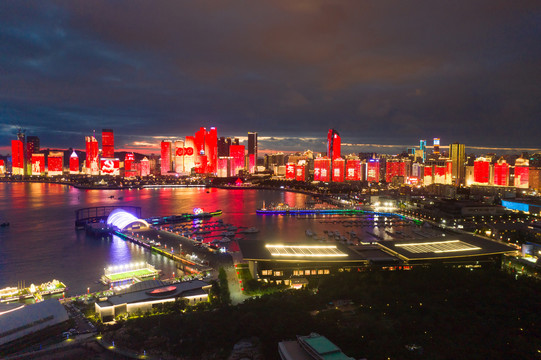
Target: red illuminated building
point(252, 152)
point(522, 173)
point(110, 167)
point(428, 177)
point(396, 168)
point(237, 158)
point(300, 173)
point(333, 144)
point(145, 167)
point(290, 171)
point(322, 169)
point(17, 157)
point(439, 174)
point(129, 166)
point(2, 167)
point(338, 170)
point(481, 171)
point(189, 153)
point(166, 157)
point(501, 173)
point(372, 170)
point(92, 161)
point(353, 170)
point(74, 163)
point(449, 172)
point(55, 163)
point(107, 143)
point(38, 164)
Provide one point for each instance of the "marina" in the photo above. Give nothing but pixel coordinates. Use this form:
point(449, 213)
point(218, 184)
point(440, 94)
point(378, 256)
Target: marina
point(33, 292)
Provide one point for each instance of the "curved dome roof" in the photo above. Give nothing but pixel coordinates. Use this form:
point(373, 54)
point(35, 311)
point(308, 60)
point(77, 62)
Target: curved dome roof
point(121, 219)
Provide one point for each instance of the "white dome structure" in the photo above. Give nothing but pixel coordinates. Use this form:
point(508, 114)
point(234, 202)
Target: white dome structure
point(121, 219)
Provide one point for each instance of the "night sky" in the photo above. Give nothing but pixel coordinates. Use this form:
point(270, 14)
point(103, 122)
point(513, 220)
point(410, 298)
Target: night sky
point(380, 72)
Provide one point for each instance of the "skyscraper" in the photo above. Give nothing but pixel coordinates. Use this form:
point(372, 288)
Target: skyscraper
point(457, 154)
point(166, 147)
point(422, 145)
point(92, 161)
point(17, 157)
point(333, 144)
point(252, 152)
point(107, 143)
point(436, 146)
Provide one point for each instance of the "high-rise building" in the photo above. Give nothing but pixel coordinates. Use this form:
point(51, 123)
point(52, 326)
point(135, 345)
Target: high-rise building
point(422, 146)
point(189, 154)
point(129, 166)
point(333, 144)
point(353, 170)
point(166, 147)
point(322, 169)
point(223, 146)
point(457, 154)
point(252, 152)
point(145, 167)
point(179, 157)
point(291, 171)
point(436, 146)
point(32, 147)
point(237, 158)
point(481, 171)
point(38, 164)
point(2, 167)
point(338, 169)
point(17, 157)
point(501, 173)
point(55, 163)
point(74, 163)
point(92, 161)
point(107, 143)
point(372, 170)
point(522, 173)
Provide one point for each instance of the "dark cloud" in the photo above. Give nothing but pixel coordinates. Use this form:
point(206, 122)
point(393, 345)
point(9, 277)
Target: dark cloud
point(387, 72)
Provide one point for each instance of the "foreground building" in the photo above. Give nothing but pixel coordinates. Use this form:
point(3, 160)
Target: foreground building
point(146, 295)
point(313, 346)
point(294, 264)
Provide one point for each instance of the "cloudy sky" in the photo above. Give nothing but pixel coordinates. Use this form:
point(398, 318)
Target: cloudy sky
point(380, 72)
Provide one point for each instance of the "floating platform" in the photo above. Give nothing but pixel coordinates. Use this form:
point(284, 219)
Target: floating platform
point(306, 211)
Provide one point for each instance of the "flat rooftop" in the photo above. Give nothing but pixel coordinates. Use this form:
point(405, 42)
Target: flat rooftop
point(449, 246)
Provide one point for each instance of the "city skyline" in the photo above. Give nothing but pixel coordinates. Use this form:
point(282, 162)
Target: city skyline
point(382, 74)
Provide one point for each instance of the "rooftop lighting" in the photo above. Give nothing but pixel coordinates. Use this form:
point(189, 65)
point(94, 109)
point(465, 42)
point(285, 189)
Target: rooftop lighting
point(438, 246)
point(304, 250)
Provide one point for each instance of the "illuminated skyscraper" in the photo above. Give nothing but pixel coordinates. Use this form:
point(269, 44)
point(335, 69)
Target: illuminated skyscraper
point(333, 144)
point(107, 143)
point(38, 164)
point(55, 163)
point(457, 154)
point(92, 161)
point(436, 146)
point(166, 147)
point(522, 173)
point(179, 157)
point(17, 157)
point(32, 147)
point(422, 145)
point(237, 158)
point(372, 170)
point(501, 173)
point(74, 163)
point(252, 152)
point(189, 154)
point(481, 171)
point(145, 167)
point(129, 165)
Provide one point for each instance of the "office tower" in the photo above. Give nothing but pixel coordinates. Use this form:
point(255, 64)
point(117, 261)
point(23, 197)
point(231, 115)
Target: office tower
point(237, 158)
point(338, 170)
point(189, 154)
point(400, 168)
point(372, 170)
point(457, 154)
point(291, 171)
point(129, 166)
point(501, 173)
point(2, 167)
point(322, 169)
point(353, 170)
point(92, 161)
point(522, 173)
point(32, 147)
point(223, 146)
point(55, 163)
point(38, 164)
point(145, 167)
point(107, 144)
point(428, 175)
point(178, 159)
point(422, 145)
point(252, 152)
point(481, 171)
point(301, 172)
point(333, 144)
point(436, 146)
point(166, 147)
point(17, 157)
point(74, 163)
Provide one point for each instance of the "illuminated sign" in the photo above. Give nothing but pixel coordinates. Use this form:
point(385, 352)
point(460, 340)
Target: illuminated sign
point(110, 166)
point(290, 171)
point(38, 164)
point(55, 163)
